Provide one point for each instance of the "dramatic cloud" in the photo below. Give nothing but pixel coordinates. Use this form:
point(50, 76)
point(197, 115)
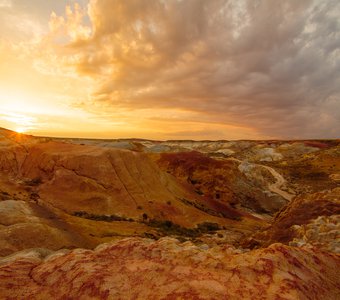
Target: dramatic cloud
point(213, 68)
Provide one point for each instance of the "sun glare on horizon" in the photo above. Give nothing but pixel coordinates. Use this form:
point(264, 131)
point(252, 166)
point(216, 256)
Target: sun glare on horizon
point(21, 130)
point(17, 110)
point(19, 122)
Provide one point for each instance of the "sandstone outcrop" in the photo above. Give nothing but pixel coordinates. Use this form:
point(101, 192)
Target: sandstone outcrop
point(309, 218)
point(322, 232)
point(166, 269)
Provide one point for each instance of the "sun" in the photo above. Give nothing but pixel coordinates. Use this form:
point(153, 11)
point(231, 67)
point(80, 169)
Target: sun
point(18, 122)
point(21, 130)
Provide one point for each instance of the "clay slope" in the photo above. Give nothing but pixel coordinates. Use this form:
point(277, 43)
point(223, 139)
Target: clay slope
point(64, 195)
point(27, 225)
point(118, 182)
point(166, 269)
point(225, 180)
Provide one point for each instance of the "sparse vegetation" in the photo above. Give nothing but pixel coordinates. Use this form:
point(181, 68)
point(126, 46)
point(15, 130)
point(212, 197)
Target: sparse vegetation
point(208, 227)
point(34, 182)
point(199, 192)
point(145, 217)
point(164, 227)
point(4, 196)
point(167, 227)
point(210, 211)
point(105, 218)
point(34, 196)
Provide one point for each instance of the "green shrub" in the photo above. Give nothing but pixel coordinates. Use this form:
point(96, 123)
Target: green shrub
point(34, 182)
point(105, 218)
point(167, 227)
point(208, 227)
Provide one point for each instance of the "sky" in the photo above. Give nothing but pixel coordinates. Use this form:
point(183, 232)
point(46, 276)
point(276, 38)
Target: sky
point(171, 69)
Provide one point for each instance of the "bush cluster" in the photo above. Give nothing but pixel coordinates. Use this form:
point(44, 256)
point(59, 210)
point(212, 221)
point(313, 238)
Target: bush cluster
point(105, 218)
point(169, 228)
point(34, 182)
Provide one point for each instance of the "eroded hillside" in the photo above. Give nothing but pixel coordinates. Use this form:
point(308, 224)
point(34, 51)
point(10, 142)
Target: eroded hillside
point(216, 200)
point(88, 194)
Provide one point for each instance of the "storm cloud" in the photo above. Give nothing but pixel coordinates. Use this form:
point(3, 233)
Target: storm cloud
point(272, 66)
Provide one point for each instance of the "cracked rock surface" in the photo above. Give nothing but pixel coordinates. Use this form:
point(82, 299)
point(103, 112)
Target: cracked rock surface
point(166, 269)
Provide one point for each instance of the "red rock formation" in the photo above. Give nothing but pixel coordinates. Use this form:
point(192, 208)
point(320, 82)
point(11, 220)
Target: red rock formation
point(303, 210)
point(221, 180)
point(143, 269)
point(113, 181)
point(73, 188)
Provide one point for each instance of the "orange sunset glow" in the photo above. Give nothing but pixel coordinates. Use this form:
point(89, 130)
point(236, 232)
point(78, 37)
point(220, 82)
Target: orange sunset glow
point(170, 69)
point(169, 149)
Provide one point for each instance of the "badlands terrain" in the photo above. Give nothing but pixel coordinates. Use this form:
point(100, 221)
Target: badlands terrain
point(140, 219)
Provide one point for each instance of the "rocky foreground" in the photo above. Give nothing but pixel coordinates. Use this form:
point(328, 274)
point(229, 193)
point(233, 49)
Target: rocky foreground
point(144, 269)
